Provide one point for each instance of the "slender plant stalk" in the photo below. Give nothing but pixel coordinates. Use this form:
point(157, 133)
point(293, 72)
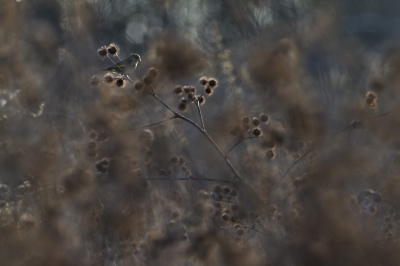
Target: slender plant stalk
point(177, 115)
point(237, 143)
point(199, 110)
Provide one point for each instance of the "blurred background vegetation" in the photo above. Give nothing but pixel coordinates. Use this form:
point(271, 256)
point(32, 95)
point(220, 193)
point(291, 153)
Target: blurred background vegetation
point(82, 183)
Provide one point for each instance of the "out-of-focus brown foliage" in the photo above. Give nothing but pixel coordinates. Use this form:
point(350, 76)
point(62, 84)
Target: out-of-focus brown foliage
point(250, 133)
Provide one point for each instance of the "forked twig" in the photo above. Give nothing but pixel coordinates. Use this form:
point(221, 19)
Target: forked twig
point(237, 143)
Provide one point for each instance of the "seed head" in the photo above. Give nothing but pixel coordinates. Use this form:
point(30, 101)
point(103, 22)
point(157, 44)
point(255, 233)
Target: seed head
point(297, 182)
point(178, 90)
point(245, 120)
point(264, 118)
point(226, 190)
point(120, 83)
point(147, 80)
point(138, 172)
point(108, 78)
point(191, 96)
point(102, 51)
point(152, 72)
point(174, 159)
point(256, 122)
point(371, 98)
point(181, 160)
point(256, 132)
point(138, 85)
point(203, 81)
point(92, 145)
point(213, 83)
point(209, 91)
point(186, 89)
point(95, 80)
point(102, 136)
point(182, 106)
point(113, 49)
point(371, 95)
point(92, 134)
point(270, 154)
point(202, 99)
point(217, 189)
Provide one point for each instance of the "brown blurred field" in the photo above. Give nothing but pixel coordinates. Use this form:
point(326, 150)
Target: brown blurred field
point(298, 162)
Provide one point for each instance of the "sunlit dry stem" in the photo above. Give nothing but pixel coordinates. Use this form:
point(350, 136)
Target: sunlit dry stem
point(199, 110)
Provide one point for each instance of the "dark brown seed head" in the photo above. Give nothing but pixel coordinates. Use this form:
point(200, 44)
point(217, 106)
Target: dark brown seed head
point(245, 120)
point(174, 159)
point(213, 83)
point(95, 80)
point(148, 80)
point(203, 81)
point(209, 91)
point(102, 51)
point(270, 154)
point(178, 90)
point(138, 85)
point(256, 132)
point(264, 118)
point(113, 49)
point(186, 89)
point(120, 83)
point(256, 122)
point(108, 78)
point(202, 99)
point(152, 72)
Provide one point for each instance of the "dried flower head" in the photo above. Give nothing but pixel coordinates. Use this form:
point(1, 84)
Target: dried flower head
point(271, 154)
point(92, 145)
point(245, 120)
point(102, 136)
point(371, 95)
point(256, 132)
point(152, 72)
point(148, 80)
point(256, 122)
point(297, 182)
point(138, 172)
point(113, 49)
point(191, 97)
point(186, 89)
point(92, 134)
point(213, 83)
point(181, 160)
point(95, 80)
point(138, 85)
point(209, 91)
point(203, 81)
point(108, 78)
point(184, 100)
point(202, 99)
point(264, 118)
point(102, 51)
point(371, 98)
point(120, 83)
point(174, 159)
point(178, 90)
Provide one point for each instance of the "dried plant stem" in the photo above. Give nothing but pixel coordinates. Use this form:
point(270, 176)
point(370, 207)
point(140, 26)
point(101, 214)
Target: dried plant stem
point(288, 170)
point(237, 143)
point(204, 132)
point(201, 116)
